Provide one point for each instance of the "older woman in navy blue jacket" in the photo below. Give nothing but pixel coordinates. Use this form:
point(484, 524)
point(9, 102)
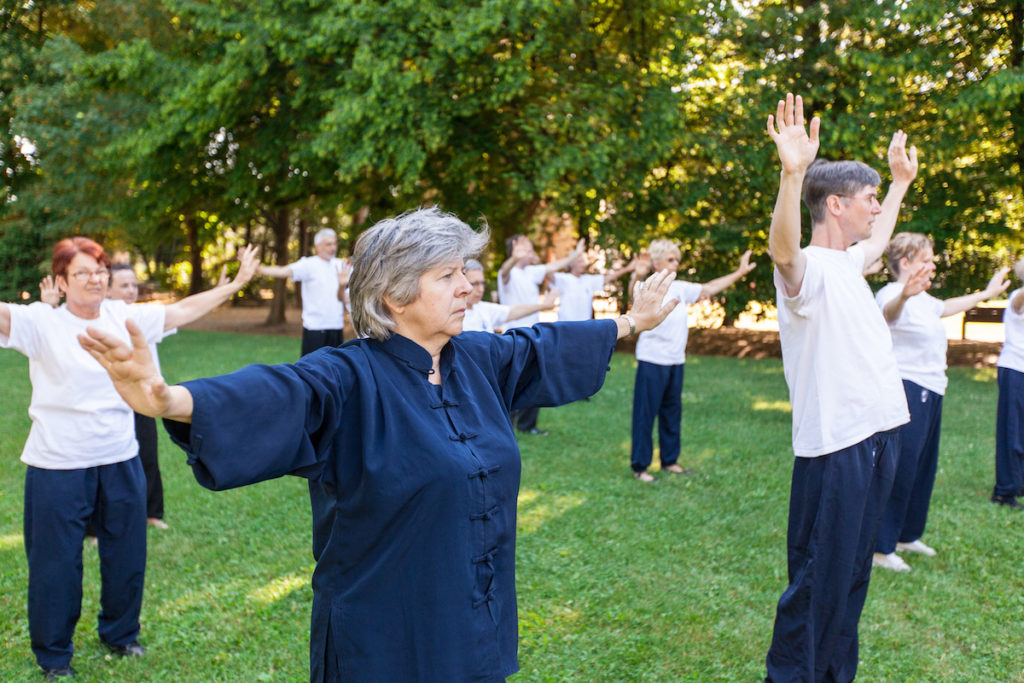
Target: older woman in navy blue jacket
point(405, 438)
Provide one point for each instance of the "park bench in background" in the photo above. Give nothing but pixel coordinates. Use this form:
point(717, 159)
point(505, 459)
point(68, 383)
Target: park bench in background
point(981, 315)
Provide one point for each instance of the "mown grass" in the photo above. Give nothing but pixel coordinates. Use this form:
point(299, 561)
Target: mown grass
point(617, 581)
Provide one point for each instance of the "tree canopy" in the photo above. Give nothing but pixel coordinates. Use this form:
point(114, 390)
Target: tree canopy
point(162, 125)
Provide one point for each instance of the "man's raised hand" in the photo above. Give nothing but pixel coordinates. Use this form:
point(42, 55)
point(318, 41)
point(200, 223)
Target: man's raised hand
point(797, 148)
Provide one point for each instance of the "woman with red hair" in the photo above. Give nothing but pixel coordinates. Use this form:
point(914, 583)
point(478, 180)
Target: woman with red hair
point(81, 452)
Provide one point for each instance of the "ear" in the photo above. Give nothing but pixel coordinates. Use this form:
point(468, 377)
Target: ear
point(61, 282)
point(395, 310)
point(834, 204)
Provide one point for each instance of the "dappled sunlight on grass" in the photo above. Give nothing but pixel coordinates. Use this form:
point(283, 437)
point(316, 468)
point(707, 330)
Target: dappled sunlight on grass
point(11, 541)
point(278, 588)
point(536, 508)
point(761, 404)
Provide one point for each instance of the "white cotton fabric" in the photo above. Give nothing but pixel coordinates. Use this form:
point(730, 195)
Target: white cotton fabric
point(523, 287)
point(576, 295)
point(666, 343)
point(78, 418)
point(321, 308)
point(844, 384)
point(1012, 354)
point(485, 317)
point(918, 338)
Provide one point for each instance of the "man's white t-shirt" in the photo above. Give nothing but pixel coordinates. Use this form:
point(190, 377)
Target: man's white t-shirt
point(1012, 354)
point(321, 308)
point(576, 295)
point(485, 317)
point(837, 356)
point(523, 287)
point(918, 338)
point(78, 418)
point(666, 343)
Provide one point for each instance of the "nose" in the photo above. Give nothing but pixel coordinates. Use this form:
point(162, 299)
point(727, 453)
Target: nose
point(462, 286)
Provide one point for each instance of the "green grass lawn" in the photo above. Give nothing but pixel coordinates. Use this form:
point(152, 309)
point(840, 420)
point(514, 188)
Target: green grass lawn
point(618, 581)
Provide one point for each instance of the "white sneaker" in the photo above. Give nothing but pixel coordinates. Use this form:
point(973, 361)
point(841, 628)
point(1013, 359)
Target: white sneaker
point(915, 547)
point(891, 561)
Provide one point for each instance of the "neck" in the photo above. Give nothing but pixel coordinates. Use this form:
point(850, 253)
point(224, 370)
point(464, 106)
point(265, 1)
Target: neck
point(84, 311)
point(829, 237)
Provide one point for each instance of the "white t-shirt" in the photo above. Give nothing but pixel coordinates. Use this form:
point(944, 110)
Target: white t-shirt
point(485, 317)
point(321, 308)
point(918, 338)
point(837, 355)
point(576, 295)
point(1012, 355)
point(523, 287)
point(666, 343)
point(78, 418)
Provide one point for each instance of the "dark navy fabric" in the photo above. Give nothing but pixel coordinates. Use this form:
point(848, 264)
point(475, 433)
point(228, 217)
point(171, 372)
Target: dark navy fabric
point(657, 393)
point(835, 508)
point(1010, 433)
point(907, 510)
point(413, 492)
point(526, 419)
point(313, 340)
point(58, 503)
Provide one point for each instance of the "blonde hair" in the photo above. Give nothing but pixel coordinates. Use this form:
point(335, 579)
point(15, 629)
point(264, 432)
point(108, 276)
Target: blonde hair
point(906, 245)
point(661, 248)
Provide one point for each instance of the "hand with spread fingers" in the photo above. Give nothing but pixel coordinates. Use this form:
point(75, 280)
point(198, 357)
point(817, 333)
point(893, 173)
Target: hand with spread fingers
point(649, 305)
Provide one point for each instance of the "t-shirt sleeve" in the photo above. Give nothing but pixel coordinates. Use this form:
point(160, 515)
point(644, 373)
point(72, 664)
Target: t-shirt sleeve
point(689, 292)
point(151, 319)
point(300, 270)
point(593, 283)
point(498, 315)
point(536, 273)
point(560, 280)
point(804, 302)
point(26, 329)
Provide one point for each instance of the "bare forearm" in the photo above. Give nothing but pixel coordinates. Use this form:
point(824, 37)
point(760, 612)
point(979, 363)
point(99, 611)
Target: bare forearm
point(713, 287)
point(275, 271)
point(5, 319)
point(893, 308)
point(180, 405)
point(196, 306)
point(784, 233)
point(885, 224)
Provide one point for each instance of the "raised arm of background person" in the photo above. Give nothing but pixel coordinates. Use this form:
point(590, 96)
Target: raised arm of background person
point(196, 306)
point(996, 286)
point(135, 375)
point(521, 250)
point(904, 169)
point(275, 271)
point(5, 319)
point(918, 281)
point(797, 149)
point(344, 273)
point(563, 263)
point(1017, 302)
point(522, 310)
point(712, 287)
point(613, 275)
point(49, 292)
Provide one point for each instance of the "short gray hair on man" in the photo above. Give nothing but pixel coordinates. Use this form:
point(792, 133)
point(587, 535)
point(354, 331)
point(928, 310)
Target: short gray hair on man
point(389, 259)
point(824, 178)
point(473, 264)
point(323, 234)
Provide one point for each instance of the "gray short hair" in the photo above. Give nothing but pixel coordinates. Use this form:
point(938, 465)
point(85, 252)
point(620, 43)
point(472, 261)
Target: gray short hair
point(389, 259)
point(323, 234)
point(473, 264)
point(824, 178)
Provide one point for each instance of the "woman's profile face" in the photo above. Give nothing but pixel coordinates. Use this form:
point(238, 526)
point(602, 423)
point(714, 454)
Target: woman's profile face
point(437, 312)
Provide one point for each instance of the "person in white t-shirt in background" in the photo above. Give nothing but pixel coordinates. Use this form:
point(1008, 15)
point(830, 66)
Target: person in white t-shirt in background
point(81, 454)
point(661, 359)
point(324, 279)
point(1010, 413)
point(577, 288)
point(919, 343)
point(844, 388)
point(484, 316)
point(519, 281)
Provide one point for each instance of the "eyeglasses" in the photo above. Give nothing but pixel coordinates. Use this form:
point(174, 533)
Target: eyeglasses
point(481, 283)
point(83, 276)
point(870, 198)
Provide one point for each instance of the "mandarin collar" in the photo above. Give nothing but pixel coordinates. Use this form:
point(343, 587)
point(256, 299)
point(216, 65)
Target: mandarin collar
point(414, 355)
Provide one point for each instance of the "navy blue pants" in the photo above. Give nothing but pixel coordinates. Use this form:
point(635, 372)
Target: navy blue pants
point(657, 393)
point(146, 435)
point(1010, 433)
point(317, 339)
point(835, 508)
point(906, 513)
point(525, 419)
point(58, 503)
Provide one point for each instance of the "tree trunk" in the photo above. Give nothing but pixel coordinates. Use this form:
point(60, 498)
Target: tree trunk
point(280, 227)
point(195, 255)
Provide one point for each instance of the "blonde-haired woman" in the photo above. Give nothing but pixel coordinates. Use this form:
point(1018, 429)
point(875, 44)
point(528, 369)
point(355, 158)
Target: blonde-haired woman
point(919, 343)
point(660, 356)
point(1010, 413)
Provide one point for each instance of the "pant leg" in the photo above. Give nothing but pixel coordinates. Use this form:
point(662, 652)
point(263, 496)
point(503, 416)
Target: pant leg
point(835, 507)
point(924, 482)
point(525, 419)
point(670, 417)
point(317, 339)
point(57, 505)
point(146, 435)
point(913, 437)
point(121, 532)
point(648, 388)
point(1009, 433)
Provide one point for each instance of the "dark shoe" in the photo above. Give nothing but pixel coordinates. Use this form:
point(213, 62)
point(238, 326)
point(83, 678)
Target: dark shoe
point(1008, 501)
point(130, 650)
point(61, 672)
point(538, 432)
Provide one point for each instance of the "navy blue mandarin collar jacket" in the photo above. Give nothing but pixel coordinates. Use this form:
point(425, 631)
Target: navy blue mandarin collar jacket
point(413, 488)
